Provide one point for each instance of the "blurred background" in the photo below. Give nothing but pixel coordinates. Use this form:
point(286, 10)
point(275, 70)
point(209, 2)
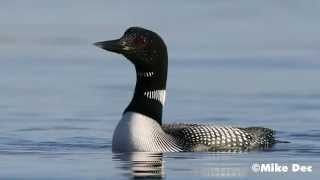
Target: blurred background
point(241, 63)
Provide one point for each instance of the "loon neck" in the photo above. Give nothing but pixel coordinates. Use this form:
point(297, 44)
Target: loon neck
point(149, 94)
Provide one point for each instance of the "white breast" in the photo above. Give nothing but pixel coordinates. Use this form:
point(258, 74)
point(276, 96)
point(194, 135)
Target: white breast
point(137, 132)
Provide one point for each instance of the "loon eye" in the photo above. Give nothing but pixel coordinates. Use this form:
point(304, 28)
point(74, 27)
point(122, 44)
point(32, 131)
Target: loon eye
point(140, 40)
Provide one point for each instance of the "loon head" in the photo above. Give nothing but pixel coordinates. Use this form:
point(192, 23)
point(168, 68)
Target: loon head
point(148, 52)
point(144, 48)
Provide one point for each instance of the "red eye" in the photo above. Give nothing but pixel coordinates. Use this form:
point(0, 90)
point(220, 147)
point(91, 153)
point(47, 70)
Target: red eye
point(140, 40)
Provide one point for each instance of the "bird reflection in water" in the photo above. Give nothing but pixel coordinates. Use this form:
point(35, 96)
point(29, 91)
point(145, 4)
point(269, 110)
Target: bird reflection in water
point(141, 165)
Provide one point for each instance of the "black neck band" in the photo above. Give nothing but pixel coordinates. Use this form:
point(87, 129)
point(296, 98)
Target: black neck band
point(149, 94)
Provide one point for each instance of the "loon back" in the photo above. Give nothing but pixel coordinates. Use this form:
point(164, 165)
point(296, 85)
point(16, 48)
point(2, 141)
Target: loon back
point(141, 128)
point(201, 137)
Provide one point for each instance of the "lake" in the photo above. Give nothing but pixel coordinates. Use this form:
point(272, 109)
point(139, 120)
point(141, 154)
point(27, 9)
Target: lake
point(235, 63)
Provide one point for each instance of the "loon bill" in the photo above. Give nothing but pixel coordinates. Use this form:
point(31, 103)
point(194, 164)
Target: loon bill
point(141, 128)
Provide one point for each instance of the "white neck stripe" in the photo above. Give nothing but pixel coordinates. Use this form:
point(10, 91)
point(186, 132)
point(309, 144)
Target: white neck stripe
point(145, 74)
point(159, 95)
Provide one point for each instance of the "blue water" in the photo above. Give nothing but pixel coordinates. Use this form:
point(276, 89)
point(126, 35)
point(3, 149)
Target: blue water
point(233, 63)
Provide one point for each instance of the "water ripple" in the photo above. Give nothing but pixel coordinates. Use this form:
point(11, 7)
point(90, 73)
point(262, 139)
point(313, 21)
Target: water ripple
point(67, 145)
point(55, 128)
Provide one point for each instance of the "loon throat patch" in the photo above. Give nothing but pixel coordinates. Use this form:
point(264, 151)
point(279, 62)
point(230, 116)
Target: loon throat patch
point(158, 95)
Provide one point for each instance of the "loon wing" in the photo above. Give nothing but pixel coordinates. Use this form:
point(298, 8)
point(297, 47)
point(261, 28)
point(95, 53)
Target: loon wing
point(201, 137)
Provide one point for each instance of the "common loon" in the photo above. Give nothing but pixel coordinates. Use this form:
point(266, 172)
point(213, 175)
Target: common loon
point(140, 128)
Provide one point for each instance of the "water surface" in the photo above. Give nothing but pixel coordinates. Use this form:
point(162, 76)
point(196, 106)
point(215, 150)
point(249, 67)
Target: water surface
point(231, 63)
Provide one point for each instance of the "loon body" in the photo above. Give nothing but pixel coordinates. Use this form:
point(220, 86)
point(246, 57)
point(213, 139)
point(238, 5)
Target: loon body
point(141, 129)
